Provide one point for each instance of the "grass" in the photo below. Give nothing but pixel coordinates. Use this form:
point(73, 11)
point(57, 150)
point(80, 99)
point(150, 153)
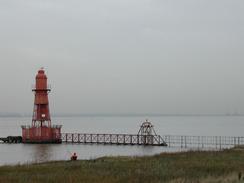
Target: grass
point(224, 166)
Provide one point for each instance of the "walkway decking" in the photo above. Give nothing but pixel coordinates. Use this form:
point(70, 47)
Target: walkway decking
point(118, 139)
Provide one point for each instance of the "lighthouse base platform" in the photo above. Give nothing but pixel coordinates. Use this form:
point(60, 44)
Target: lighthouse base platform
point(42, 134)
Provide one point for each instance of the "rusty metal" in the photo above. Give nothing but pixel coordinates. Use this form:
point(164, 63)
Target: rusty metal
point(41, 129)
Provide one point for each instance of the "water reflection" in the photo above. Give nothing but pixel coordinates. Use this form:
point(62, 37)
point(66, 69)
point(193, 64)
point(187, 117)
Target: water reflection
point(41, 152)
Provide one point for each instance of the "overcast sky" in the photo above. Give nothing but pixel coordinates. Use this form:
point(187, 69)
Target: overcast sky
point(124, 56)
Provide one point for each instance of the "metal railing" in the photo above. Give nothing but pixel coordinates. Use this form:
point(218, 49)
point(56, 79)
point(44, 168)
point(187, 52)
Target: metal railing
point(118, 139)
point(181, 141)
point(216, 142)
point(34, 88)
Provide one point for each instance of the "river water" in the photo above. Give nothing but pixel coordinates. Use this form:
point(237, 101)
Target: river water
point(164, 125)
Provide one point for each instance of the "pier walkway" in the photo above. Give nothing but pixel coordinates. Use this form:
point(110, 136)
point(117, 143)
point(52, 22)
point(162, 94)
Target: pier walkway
point(177, 141)
point(145, 136)
point(118, 139)
point(11, 139)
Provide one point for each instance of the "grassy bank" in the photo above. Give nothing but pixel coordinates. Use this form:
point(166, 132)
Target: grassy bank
point(225, 166)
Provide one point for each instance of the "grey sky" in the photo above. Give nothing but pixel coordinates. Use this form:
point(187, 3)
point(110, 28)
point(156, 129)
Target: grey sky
point(124, 56)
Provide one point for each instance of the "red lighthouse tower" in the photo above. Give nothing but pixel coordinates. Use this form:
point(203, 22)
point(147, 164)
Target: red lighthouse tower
point(41, 129)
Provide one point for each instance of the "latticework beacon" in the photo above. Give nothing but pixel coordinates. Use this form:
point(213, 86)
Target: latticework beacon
point(41, 130)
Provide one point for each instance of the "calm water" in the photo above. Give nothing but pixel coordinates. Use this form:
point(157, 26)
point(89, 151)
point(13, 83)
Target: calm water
point(166, 125)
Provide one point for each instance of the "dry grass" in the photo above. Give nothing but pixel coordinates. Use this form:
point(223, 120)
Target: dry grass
point(225, 166)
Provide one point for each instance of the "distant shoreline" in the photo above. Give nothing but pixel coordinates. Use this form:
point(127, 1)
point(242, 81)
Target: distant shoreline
point(118, 115)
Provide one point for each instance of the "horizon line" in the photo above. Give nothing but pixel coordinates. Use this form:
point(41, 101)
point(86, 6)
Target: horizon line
point(121, 114)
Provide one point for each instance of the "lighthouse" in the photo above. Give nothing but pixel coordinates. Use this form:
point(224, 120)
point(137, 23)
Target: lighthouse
point(41, 129)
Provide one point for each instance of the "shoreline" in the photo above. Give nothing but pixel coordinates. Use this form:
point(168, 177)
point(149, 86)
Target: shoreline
point(190, 166)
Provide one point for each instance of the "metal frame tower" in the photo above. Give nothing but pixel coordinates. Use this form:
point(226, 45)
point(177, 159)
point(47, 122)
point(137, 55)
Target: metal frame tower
point(41, 114)
point(41, 129)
